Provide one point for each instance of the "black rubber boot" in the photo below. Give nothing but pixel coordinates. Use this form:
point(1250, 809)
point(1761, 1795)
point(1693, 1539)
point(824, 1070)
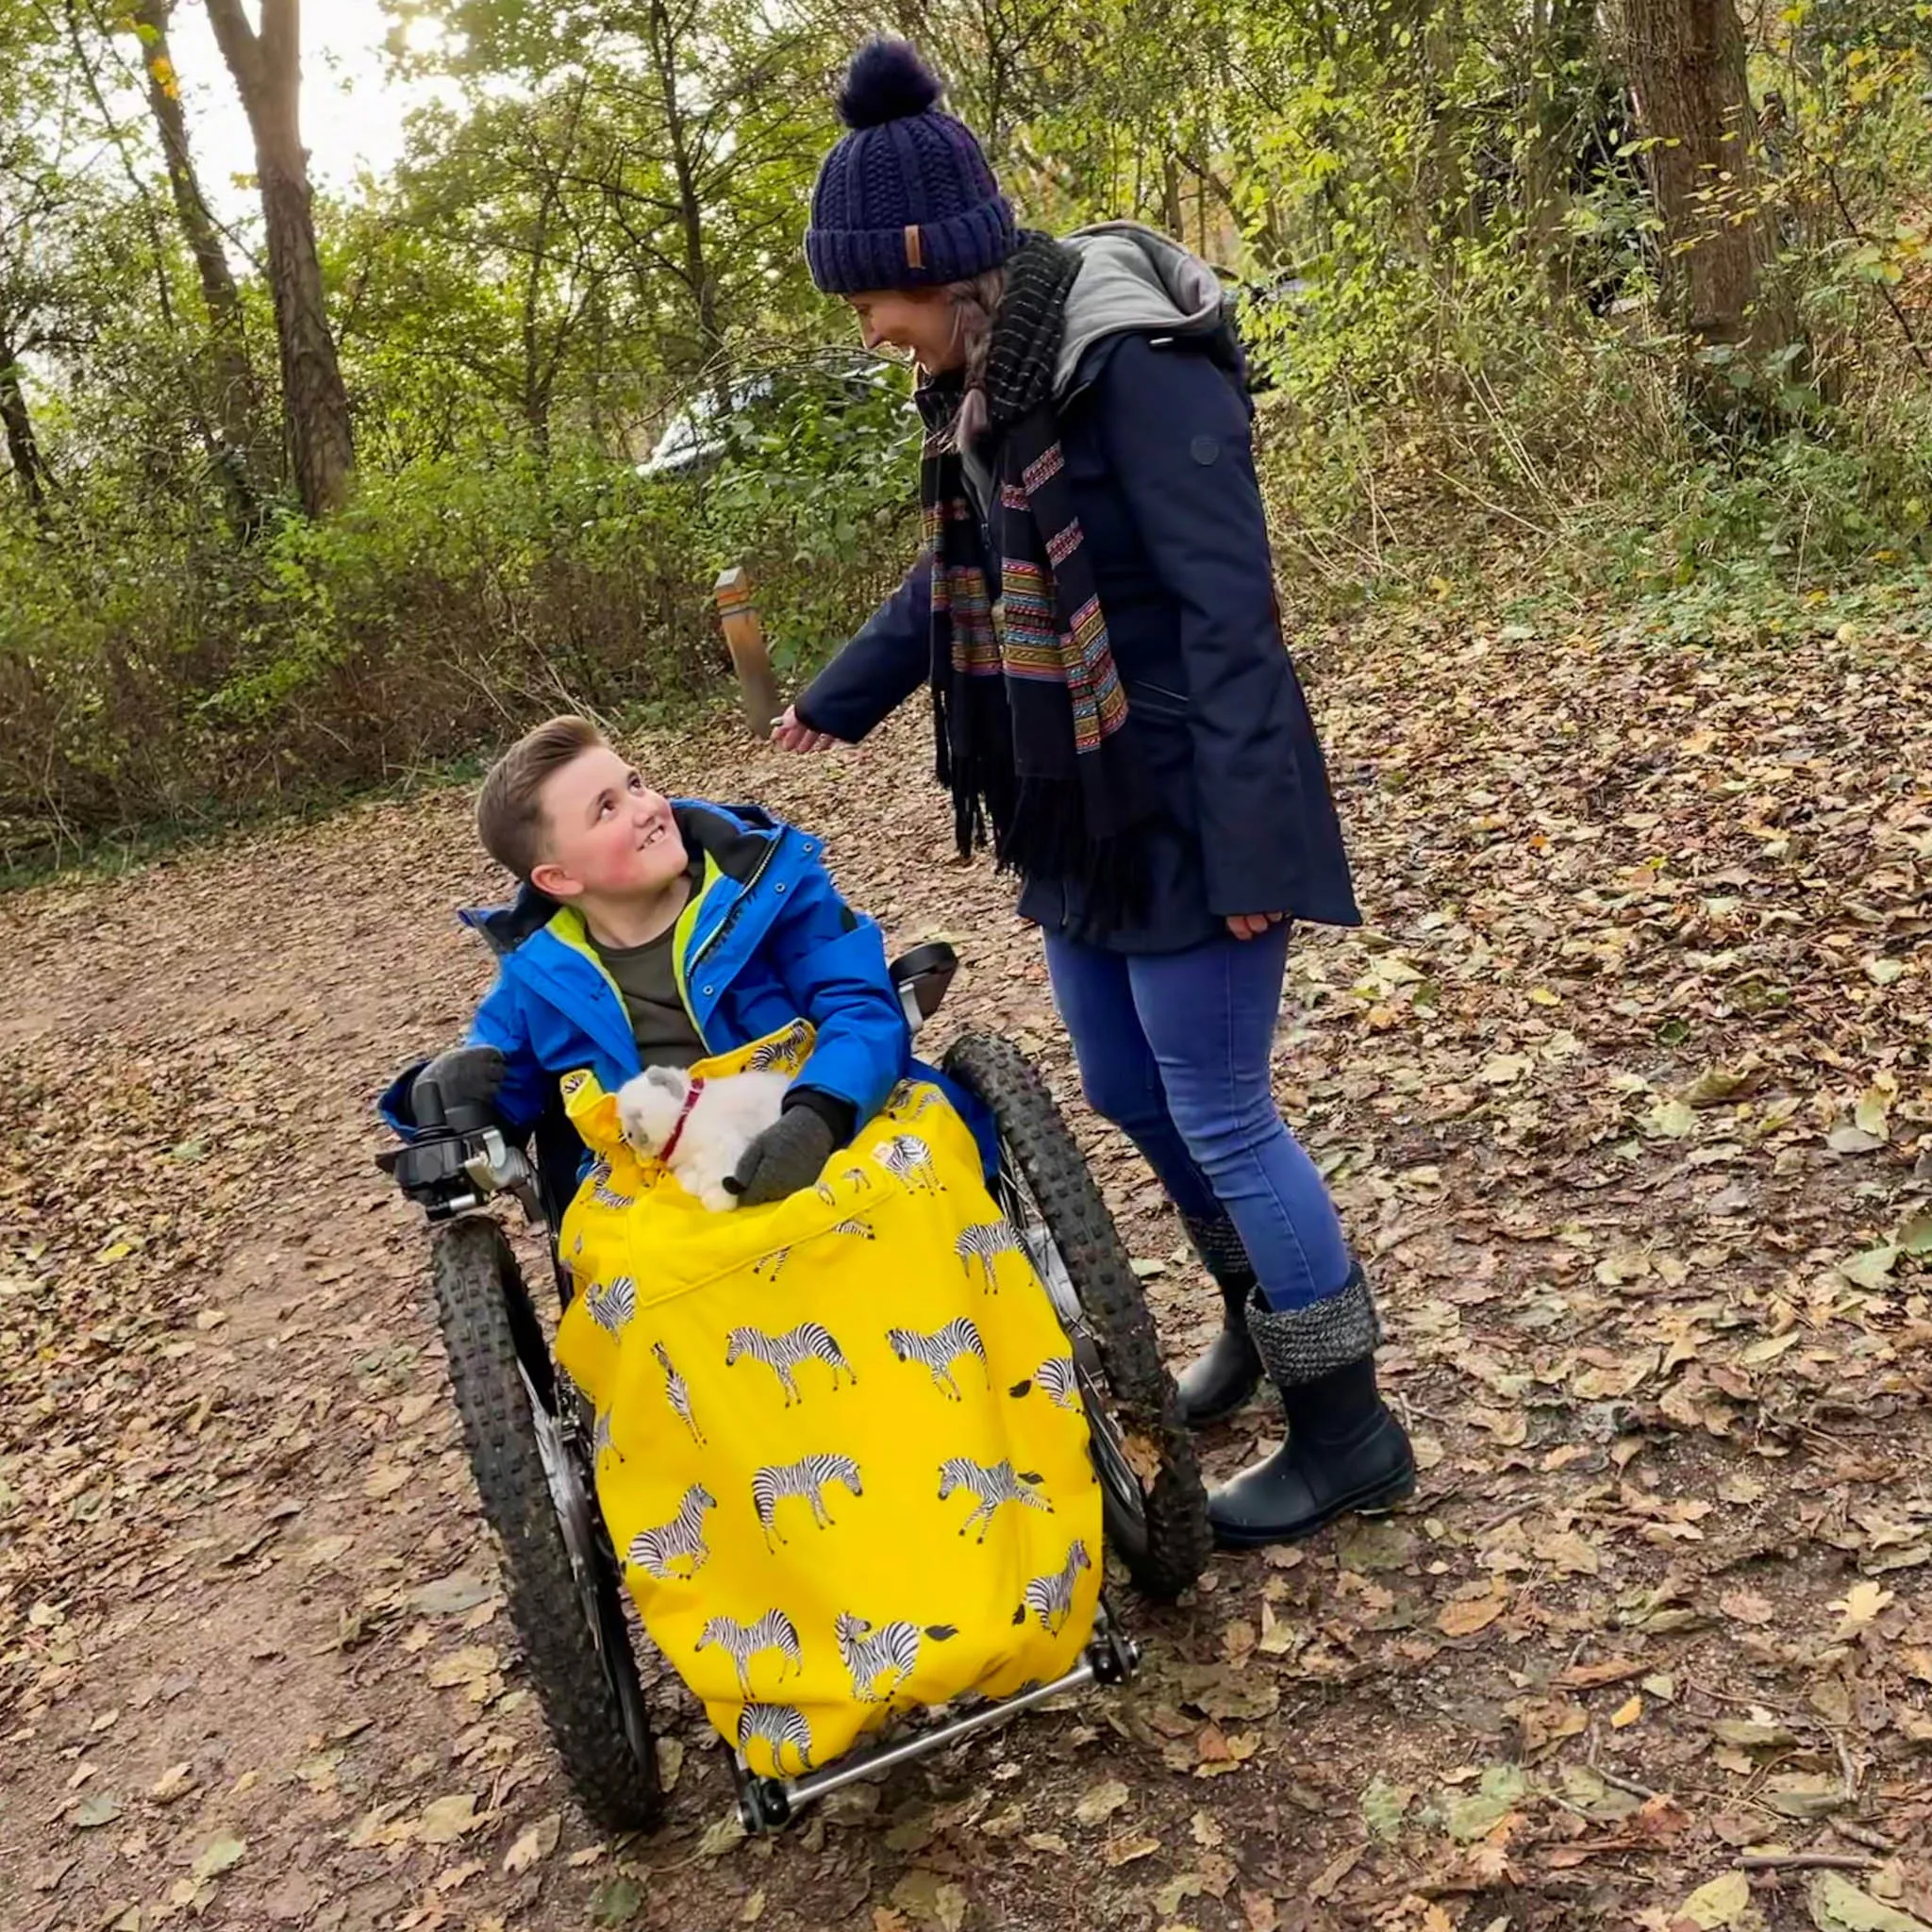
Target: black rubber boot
point(1230, 1372)
point(1344, 1451)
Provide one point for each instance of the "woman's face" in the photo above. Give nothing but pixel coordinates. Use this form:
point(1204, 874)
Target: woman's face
point(921, 322)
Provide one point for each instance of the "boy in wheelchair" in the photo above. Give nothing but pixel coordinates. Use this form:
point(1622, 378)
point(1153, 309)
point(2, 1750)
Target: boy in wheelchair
point(652, 934)
point(878, 1482)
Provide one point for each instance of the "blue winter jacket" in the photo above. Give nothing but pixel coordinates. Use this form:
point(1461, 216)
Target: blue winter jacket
point(765, 939)
point(1155, 435)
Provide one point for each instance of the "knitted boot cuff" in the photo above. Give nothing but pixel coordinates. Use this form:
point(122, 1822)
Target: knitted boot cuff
point(1218, 1243)
point(1300, 1345)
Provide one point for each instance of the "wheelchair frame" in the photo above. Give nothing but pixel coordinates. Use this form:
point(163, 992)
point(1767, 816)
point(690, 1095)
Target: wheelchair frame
point(464, 1158)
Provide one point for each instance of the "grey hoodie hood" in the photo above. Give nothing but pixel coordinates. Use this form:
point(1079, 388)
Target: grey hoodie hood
point(1132, 279)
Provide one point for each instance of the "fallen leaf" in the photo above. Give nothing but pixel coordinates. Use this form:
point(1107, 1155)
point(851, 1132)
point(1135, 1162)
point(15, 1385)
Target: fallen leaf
point(1860, 1605)
point(1572, 1555)
point(536, 1843)
point(616, 1901)
point(1839, 1906)
point(930, 1900)
point(1465, 1619)
point(221, 1854)
point(175, 1782)
point(1626, 1713)
point(94, 1811)
point(1720, 1903)
point(446, 1819)
point(1129, 1851)
point(1871, 1270)
point(1803, 1794)
point(1503, 1788)
point(1747, 1607)
point(472, 1665)
point(451, 1595)
point(1101, 1802)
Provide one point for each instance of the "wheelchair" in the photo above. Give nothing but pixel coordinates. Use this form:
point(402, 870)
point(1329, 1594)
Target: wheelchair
point(529, 1436)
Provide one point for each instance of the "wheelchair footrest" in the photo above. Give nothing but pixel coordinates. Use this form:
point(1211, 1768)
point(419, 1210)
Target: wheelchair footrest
point(769, 1803)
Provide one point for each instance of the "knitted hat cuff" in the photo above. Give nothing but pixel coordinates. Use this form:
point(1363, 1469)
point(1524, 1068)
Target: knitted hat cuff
point(853, 261)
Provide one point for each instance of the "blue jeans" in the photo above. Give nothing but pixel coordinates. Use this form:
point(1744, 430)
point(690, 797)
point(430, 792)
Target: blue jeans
point(1173, 1049)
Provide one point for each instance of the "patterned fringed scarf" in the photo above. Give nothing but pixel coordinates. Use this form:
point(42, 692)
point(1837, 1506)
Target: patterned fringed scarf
point(1027, 708)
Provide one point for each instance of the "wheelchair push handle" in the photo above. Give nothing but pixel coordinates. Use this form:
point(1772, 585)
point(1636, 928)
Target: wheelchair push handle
point(922, 975)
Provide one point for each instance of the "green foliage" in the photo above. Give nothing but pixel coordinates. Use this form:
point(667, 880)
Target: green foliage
point(1458, 282)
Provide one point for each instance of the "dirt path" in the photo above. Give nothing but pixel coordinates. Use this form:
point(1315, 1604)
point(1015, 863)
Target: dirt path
point(1626, 1095)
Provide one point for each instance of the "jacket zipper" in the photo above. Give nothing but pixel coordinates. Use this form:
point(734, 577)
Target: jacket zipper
point(730, 919)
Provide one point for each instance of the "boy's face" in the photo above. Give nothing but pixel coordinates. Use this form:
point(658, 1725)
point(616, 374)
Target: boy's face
point(607, 834)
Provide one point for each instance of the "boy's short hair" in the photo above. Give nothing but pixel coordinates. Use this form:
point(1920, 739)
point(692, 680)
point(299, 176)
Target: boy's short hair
point(509, 809)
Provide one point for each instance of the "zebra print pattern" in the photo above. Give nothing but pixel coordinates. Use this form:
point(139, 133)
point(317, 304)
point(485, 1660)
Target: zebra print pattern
point(601, 1437)
point(781, 1053)
point(658, 1551)
point(602, 1192)
point(1057, 1380)
point(983, 1242)
point(1051, 1598)
point(857, 1175)
point(775, 1725)
point(612, 1306)
point(740, 1642)
point(806, 1477)
point(860, 1229)
point(990, 1485)
point(775, 1260)
point(912, 1098)
point(784, 1354)
point(677, 1392)
point(907, 1158)
point(938, 1351)
point(889, 1651)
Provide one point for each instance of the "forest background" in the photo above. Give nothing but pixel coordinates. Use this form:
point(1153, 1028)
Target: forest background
point(1563, 314)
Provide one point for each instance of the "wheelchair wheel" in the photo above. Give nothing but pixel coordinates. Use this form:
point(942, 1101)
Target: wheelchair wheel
point(562, 1576)
point(1153, 1502)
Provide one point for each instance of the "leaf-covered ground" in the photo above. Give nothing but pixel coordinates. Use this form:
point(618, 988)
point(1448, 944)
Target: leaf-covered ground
point(1625, 1092)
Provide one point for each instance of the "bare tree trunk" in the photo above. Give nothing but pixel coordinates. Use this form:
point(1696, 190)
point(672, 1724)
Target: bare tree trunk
point(238, 404)
point(267, 67)
point(23, 445)
point(1686, 62)
point(691, 210)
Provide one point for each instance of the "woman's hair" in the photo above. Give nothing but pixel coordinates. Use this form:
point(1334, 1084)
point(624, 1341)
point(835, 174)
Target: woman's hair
point(974, 305)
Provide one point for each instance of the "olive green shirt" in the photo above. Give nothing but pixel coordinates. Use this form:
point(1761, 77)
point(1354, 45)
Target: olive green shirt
point(646, 976)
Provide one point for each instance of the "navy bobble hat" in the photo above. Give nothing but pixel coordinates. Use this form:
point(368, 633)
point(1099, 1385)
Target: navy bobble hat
point(905, 200)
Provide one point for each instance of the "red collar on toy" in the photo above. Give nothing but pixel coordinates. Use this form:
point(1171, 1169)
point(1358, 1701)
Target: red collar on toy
point(691, 1100)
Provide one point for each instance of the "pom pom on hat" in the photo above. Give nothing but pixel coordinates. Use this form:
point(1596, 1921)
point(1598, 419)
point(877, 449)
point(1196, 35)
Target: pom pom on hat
point(886, 82)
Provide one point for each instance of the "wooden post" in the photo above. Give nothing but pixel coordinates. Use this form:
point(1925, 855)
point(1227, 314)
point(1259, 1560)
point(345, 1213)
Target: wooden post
point(744, 637)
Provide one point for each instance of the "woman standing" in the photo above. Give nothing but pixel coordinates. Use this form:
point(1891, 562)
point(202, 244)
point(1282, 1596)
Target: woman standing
point(1094, 614)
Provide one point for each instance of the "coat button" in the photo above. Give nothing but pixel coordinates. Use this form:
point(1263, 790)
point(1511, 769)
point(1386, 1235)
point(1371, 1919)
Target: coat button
point(778, 888)
point(708, 992)
point(1204, 449)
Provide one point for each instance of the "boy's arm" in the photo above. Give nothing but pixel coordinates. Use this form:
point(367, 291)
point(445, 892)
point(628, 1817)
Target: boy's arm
point(518, 1101)
point(499, 1022)
point(833, 963)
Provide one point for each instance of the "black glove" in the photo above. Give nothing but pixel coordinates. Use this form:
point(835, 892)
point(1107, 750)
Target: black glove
point(454, 1091)
point(785, 1158)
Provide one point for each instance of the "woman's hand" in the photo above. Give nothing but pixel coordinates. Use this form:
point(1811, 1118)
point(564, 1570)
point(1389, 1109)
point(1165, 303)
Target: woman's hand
point(788, 734)
point(1251, 925)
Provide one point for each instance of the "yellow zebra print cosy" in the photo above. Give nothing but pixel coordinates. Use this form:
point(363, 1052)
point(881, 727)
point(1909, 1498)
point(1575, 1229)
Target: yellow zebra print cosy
point(839, 1443)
